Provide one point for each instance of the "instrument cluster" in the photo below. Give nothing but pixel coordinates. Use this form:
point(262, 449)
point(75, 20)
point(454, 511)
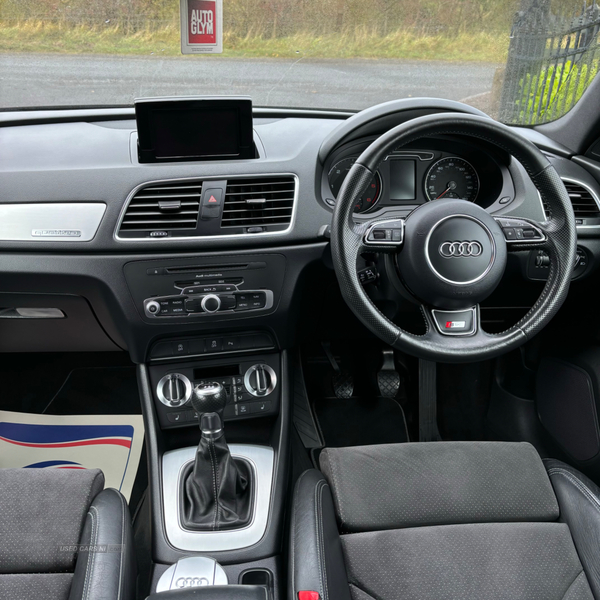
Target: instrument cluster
point(411, 176)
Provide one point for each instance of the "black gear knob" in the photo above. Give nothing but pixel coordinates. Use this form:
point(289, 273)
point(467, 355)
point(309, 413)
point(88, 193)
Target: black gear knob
point(209, 398)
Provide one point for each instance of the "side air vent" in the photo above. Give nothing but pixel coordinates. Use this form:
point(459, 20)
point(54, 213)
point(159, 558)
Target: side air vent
point(584, 203)
point(264, 204)
point(160, 209)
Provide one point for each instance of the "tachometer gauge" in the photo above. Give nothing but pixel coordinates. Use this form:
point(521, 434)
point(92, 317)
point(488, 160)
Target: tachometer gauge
point(338, 173)
point(452, 177)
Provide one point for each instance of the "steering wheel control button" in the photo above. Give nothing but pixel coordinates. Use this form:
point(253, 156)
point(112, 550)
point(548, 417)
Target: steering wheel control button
point(450, 322)
point(460, 249)
point(390, 233)
point(519, 231)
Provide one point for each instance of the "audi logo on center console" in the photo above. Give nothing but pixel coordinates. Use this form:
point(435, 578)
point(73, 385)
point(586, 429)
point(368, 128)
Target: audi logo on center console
point(461, 249)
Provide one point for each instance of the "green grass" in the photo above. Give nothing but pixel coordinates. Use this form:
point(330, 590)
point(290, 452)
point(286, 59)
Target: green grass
point(360, 43)
point(553, 92)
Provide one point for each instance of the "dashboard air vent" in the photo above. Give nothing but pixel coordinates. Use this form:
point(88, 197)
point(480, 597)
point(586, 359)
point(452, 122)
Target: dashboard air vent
point(584, 204)
point(163, 207)
point(265, 203)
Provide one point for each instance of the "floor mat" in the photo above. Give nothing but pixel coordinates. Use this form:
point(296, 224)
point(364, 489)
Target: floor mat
point(358, 422)
point(112, 443)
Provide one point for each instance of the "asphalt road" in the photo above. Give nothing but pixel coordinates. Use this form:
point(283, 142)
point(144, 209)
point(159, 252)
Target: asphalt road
point(53, 79)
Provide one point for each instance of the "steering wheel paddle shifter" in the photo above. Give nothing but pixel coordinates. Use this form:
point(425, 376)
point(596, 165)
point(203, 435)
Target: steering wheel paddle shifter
point(217, 490)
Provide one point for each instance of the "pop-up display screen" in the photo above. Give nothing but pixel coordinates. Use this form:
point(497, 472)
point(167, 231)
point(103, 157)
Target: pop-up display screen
point(172, 130)
point(402, 179)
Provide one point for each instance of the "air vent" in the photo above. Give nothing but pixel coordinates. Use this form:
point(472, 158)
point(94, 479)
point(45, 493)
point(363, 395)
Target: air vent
point(165, 207)
point(266, 203)
point(584, 204)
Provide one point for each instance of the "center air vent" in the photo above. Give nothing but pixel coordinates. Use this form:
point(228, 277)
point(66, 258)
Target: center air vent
point(159, 209)
point(264, 204)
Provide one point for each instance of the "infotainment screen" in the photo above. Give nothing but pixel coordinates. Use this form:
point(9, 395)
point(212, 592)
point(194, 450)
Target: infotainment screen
point(402, 179)
point(176, 129)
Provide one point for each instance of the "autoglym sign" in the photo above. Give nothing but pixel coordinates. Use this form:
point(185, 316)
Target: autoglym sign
point(201, 26)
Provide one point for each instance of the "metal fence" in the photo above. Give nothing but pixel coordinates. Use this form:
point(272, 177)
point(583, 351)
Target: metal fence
point(552, 58)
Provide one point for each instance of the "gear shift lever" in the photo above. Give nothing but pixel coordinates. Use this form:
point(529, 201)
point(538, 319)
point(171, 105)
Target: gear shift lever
point(209, 398)
point(217, 492)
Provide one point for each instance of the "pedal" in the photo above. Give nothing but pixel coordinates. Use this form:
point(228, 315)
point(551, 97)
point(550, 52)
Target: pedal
point(342, 381)
point(388, 379)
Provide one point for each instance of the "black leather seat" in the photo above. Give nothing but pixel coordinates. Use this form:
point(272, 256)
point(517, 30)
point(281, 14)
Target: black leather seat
point(446, 520)
point(62, 537)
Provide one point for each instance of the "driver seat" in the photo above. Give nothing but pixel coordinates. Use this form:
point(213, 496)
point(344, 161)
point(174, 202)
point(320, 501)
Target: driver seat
point(444, 520)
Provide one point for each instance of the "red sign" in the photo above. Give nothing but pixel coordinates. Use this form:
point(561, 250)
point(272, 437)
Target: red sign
point(202, 22)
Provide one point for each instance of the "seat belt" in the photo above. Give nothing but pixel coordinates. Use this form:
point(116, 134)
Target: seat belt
point(428, 429)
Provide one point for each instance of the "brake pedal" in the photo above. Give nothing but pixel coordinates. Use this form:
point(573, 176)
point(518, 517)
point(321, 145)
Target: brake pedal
point(342, 381)
point(388, 379)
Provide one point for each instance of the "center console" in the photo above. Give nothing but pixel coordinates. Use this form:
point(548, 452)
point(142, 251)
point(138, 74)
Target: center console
point(214, 319)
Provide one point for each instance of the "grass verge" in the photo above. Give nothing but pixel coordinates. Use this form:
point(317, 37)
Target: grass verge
point(31, 36)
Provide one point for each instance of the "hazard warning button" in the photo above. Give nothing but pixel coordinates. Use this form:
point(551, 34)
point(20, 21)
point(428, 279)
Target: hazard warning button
point(212, 202)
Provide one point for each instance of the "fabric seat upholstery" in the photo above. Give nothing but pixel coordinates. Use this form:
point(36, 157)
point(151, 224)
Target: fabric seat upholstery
point(444, 520)
point(62, 537)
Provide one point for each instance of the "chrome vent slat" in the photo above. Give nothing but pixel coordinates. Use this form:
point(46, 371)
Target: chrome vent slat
point(167, 196)
point(180, 208)
point(275, 209)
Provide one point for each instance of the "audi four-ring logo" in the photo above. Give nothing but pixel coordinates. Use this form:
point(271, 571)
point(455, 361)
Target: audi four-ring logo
point(461, 249)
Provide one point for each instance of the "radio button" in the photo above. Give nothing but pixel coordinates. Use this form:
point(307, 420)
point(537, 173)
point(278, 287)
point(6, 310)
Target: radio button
point(228, 302)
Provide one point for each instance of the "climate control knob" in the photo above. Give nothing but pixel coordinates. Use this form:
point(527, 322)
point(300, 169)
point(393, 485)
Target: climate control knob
point(174, 389)
point(211, 303)
point(260, 380)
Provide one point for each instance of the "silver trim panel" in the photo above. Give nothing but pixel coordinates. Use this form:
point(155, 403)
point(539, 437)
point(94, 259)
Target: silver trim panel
point(261, 460)
point(204, 179)
point(195, 571)
point(50, 222)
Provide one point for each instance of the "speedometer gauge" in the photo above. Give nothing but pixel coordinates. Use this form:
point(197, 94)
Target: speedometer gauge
point(339, 172)
point(452, 177)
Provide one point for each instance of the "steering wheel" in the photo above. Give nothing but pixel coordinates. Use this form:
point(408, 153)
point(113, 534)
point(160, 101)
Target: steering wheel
point(451, 254)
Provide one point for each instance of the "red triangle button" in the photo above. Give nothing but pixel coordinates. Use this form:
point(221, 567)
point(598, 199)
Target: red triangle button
point(212, 199)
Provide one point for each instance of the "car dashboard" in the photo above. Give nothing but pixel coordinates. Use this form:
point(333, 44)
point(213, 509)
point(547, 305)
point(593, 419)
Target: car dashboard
point(131, 251)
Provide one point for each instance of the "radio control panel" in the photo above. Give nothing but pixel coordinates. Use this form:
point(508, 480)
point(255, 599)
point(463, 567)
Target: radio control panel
point(196, 301)
point(226, 286)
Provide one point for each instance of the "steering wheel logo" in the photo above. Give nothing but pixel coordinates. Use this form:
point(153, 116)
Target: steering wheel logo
point(461, 249)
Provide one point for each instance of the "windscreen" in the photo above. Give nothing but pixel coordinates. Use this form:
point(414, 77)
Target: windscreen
point(523, 62)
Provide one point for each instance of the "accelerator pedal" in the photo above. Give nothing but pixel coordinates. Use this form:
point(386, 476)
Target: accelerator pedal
point(388, 379)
